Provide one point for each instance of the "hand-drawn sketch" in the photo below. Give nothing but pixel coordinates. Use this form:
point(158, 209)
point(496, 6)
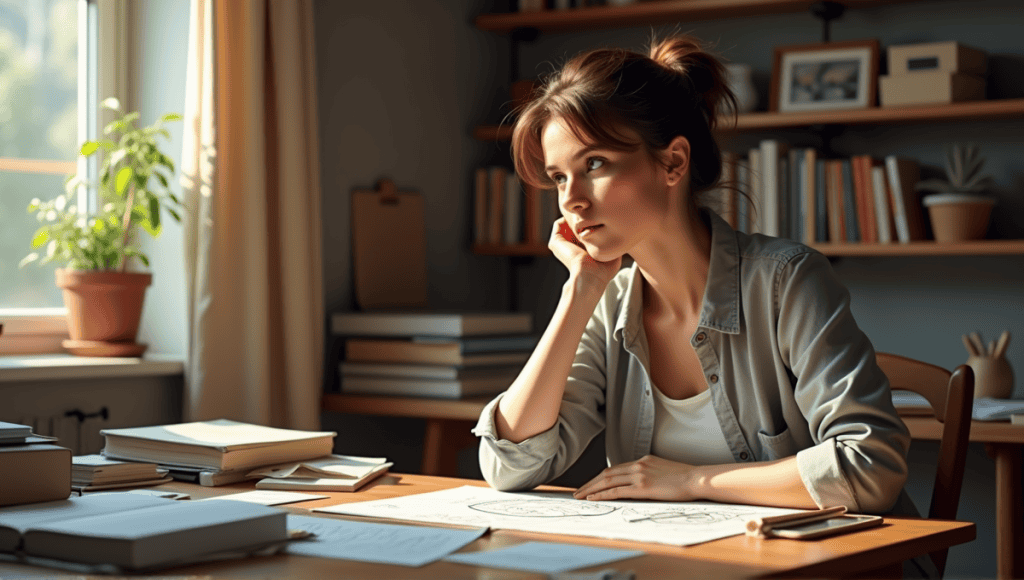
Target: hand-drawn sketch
point(674, 523)
point(542, 508)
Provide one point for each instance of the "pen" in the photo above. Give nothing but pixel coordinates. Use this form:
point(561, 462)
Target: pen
point(761, 526)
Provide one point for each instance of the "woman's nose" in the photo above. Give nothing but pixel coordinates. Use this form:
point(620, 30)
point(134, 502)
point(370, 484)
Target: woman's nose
point(574, 197)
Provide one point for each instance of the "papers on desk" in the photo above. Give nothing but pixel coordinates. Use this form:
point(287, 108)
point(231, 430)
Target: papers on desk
point(269, 497)
point(376, 542)
point(543, 557)
point(673, 523)
point(985, 408)
point(330, 473)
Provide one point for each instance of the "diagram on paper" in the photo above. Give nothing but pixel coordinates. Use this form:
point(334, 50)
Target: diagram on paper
point(675, 523)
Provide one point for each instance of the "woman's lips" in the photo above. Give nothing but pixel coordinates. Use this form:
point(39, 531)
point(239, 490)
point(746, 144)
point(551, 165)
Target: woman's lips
point(589, 230)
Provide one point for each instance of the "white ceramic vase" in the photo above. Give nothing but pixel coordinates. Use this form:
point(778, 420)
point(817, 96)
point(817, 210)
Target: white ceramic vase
point(740, 79)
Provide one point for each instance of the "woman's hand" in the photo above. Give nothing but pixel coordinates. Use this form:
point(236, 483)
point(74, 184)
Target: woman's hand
point(649, 477)
point(574, 256)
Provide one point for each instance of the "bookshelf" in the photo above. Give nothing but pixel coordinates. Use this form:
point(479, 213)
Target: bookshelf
point(651, 13)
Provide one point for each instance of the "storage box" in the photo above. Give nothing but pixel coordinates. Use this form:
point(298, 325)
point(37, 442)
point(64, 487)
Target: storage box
point(919, 88)
point(950, 56)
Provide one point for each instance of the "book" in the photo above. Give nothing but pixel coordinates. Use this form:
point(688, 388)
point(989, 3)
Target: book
point(454, 324)
point(496, 194)
point(808, 188)
point(1017, 419)
point(407, 351)
point(14, 432)
point(220, 445)
point(755, 179)
point(480, 209)
point(772, 185)
point(908, 216)
point(469, 345)
point(512, 231)
point(880, 188)
point(131, 532)
point(433, 388)
point(445, 372)
point(207, 477)
point(821, 217)
point(96, 472)
point(864, 197)
point(332, 473)
point(852, 224)
point(34, 473)
point(834, 201)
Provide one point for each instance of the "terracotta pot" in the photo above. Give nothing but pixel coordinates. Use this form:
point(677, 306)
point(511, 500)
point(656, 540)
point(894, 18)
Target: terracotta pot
point(103, 306)
point(958, 217)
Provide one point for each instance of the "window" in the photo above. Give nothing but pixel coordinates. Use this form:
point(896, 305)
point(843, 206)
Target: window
point(48, 75)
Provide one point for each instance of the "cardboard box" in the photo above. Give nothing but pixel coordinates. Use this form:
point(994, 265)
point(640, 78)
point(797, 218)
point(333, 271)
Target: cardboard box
point(33, 473)
point(950, 56)
point(936, 87)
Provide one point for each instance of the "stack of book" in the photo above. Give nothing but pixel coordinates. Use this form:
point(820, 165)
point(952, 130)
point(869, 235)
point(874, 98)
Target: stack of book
point(32, 468)
point(123, 532)
point(799, 193)
point(215, 452)
point(95, 472)
point(426, 354)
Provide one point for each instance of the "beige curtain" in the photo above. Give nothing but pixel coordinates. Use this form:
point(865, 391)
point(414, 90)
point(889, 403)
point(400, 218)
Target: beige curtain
point(250, 170)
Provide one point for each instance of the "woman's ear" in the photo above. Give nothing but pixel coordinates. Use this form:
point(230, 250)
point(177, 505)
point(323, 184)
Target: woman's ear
point(677, 157)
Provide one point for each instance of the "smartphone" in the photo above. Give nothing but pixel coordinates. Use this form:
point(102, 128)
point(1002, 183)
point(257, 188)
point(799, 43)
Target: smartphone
point(822, 528)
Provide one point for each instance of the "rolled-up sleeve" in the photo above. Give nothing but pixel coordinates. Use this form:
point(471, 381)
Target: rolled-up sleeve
point(861, 444)
point(510, 466)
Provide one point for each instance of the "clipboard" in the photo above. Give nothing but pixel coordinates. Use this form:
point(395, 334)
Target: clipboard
point(389, 253)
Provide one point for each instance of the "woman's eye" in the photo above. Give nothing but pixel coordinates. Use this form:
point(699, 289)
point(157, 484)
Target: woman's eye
point(594, 163)
point(558, 179)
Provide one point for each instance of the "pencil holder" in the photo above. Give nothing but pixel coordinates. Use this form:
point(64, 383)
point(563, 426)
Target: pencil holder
point(993, 375)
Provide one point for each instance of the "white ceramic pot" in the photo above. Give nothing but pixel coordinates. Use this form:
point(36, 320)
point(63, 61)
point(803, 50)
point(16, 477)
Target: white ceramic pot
point(741, 81)
point(957, 217)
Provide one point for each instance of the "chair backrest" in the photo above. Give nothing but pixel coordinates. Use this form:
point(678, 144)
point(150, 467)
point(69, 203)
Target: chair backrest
point(951, 396)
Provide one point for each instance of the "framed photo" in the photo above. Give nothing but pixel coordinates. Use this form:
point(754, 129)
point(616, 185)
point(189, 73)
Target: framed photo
point(822, 77)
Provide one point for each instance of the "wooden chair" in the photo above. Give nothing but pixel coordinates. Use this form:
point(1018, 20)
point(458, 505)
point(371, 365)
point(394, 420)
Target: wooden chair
point(951, 396)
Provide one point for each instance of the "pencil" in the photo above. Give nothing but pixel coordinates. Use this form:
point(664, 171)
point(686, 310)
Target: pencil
point(761, 526)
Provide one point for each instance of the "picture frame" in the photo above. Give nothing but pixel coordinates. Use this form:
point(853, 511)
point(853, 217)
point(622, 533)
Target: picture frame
point(825, 76)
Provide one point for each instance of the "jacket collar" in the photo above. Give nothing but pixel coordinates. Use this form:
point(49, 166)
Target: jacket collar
point(721, 304)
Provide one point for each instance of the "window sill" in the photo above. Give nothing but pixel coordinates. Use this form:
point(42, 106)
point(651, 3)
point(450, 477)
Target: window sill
point(48, 367)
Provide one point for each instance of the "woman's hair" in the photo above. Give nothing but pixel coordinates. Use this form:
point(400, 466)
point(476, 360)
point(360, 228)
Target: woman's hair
point(678, 89)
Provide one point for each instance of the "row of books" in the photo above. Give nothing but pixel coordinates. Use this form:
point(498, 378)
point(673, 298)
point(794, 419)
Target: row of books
point(801, 195)
point(508, 211)
point(440, 355)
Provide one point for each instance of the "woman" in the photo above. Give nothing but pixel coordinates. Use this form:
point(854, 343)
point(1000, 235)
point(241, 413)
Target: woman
point(722, 366)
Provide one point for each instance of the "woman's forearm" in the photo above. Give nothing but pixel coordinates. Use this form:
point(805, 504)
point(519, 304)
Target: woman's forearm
point(531, 404)
point(772, 483)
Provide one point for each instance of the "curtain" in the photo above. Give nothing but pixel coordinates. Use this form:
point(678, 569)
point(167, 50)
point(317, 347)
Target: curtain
point(250, 174)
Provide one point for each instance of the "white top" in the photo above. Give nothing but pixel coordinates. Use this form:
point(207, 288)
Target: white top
point(687, 430)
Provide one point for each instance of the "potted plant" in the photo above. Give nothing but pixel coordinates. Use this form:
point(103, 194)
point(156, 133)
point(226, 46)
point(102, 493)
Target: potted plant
point(958, 210)
point(103, 299)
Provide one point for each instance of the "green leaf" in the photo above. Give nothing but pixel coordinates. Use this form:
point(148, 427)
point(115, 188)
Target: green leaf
point(154, 212)
point(121, 181)
point(171, 117)
point(42, 236)
point(174, 214)
point(111, 103)
point(89, 147)
point(112, 127)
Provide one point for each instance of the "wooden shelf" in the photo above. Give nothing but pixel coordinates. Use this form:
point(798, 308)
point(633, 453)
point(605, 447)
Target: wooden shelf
point(969, 111)
point(927, 248)
point(421, 408)
point(648, 13)
point(974, 248)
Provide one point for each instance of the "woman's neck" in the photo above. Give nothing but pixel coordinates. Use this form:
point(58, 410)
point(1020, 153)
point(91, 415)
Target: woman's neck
point(674, 265)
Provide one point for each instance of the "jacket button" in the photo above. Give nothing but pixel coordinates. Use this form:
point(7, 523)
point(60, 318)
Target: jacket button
point(701, 337)
point(743, 455)
point(714, 378)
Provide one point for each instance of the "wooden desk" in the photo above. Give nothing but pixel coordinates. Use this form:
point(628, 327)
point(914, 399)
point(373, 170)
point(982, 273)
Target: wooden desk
point(448, 423)
point(873, 553)
point(1003, 441)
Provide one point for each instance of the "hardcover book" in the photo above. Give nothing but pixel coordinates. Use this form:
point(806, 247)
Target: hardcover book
point(426, 323)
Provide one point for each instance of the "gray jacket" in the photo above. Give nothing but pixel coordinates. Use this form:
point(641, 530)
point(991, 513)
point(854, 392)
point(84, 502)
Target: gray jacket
point(789, 370)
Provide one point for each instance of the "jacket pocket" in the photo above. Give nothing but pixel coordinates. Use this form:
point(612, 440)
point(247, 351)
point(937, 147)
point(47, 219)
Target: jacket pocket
point(776, 446)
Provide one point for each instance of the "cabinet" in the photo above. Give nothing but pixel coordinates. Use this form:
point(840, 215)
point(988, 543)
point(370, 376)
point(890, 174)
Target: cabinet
point(652, 13)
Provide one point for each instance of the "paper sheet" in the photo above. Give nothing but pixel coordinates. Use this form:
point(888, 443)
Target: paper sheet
point(270, 497)
point(544, 557)
point(673, 523)
point(376, 542)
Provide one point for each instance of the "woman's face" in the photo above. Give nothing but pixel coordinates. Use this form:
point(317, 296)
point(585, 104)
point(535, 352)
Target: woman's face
point(611, 199)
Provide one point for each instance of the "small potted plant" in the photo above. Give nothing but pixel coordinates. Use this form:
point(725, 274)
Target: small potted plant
point(958, 210)
point(104, 300)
